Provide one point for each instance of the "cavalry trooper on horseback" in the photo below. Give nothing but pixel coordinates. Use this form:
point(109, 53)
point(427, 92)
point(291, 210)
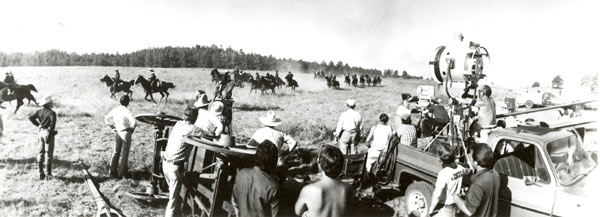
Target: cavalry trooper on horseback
point(222, 84)
point(153, 80)
point(116, 79)
point(289, 76)
point(10, 82)
point(257, 76)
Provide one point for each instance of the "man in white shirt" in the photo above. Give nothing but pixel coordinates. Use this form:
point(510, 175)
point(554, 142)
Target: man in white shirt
point(123, 124)
point(283, 141)
point(403, 108)
point(207, 121)
point(348, 129)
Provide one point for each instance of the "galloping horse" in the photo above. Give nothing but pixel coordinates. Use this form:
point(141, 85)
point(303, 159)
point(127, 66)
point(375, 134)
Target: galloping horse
point(362, 80)
point(292, 84)
point(240, 78)
point(20, 92)
point(255, 85)
point(347, 80)
point(368, 80)
point(266, 84)
point(162, 88)
point(354, 80)
point(124, 86)
point(216, 76)
point(280, 82)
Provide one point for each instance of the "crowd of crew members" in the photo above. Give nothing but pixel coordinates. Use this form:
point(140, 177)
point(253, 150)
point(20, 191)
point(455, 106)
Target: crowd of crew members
point(257, 191)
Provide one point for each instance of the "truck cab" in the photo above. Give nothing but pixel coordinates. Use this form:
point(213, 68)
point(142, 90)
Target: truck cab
point(546, 172)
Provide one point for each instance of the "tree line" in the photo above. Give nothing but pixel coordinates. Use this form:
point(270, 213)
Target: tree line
point(182, 57)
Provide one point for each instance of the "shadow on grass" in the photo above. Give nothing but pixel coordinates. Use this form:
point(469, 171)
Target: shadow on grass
point(17, 202)
point(254, 107)
point(71, 165)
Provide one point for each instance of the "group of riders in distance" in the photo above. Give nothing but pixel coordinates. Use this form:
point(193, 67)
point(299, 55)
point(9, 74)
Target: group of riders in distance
point(10, 90)
point(150, 85)
point(354, 80)
point(265, 83)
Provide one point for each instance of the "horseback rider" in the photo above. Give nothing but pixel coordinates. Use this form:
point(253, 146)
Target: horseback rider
point(10, 82)
point(226, 79)
point(116, 79)
point(257, 76)
point(153, 81)
point(289, 76)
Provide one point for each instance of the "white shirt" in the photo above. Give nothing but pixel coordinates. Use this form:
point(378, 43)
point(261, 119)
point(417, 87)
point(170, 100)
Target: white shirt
point(122, 118)
point(447, 185)
point(402, 110)
point(381, 137)
point(349, 120)
point(276, 137)
point(208, 123)
point(176, 150)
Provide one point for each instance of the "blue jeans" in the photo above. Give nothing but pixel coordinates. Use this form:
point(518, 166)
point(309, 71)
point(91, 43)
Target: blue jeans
point(46, 150)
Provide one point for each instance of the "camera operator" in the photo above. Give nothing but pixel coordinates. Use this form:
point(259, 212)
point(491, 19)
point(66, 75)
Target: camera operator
point(437, 116)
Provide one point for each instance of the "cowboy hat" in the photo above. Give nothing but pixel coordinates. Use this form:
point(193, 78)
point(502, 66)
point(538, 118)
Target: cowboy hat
point(151, 70)
point(351, 102)
point(270, 119)
point(116, 70)
point(46, 100)
point(202, 101)
point(216, 107)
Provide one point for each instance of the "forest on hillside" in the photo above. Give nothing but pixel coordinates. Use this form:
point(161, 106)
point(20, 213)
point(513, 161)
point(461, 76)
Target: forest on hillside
point(185, 57)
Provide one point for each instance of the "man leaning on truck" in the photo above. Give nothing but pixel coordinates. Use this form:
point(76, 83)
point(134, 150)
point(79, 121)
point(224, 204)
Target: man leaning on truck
point(482, 197)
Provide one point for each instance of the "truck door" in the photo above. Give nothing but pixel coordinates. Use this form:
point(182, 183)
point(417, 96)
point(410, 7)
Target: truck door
point(530, 188)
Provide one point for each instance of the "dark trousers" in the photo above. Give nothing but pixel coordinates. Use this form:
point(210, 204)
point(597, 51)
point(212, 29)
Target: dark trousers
point(428, 125)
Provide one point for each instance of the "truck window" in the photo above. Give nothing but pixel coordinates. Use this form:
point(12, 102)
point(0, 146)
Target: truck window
point(518, 159)
point(569, 159)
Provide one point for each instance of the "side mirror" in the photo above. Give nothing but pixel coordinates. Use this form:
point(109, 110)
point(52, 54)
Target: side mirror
point(531, 180)
point(594, 156)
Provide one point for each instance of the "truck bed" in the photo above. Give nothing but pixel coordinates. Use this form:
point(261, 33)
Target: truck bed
point(416, 162)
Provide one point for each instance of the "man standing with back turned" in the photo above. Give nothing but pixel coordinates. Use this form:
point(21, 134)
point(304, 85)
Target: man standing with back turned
point(348, 128)
point(45, 120)
point(123, 124)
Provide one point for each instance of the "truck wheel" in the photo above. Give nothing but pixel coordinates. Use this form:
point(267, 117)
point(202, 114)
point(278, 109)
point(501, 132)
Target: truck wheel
point(418, 197)
point(529, 104)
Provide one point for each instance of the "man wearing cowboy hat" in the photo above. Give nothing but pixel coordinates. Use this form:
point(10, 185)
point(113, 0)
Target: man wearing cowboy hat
point(123, 123)
point(45, 120)
point(283, 141)
point(348, 128)
point(216, 108)
point(207, 121)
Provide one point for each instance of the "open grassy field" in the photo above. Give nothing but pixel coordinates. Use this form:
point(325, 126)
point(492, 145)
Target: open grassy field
point(309, 114)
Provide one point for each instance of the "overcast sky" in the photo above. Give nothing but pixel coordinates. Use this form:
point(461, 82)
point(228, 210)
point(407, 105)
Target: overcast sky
point(533, 39)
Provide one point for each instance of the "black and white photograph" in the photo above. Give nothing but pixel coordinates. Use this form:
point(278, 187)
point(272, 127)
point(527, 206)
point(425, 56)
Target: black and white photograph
point(330, 108)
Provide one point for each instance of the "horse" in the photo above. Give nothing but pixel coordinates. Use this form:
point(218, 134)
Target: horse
point(335, 83)
point(354, 80)
point(347, 80)
point(255, 85)
point(362, 80)
point(240, 78)
point(268, 85)
point(368, 80)
point(280, 82)
point(216, 76)
point(376, 80)
point(292, 84)
point(124, 86)
point(20, 92)
point(162, 88)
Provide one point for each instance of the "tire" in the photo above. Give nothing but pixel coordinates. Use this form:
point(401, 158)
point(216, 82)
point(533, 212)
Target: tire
point(529, 104)
point(418, 197)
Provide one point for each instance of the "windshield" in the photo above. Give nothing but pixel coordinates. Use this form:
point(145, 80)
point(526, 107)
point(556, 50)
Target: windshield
point(569, 159)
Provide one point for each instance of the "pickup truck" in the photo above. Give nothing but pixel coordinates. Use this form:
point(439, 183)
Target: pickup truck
point(546, 172)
